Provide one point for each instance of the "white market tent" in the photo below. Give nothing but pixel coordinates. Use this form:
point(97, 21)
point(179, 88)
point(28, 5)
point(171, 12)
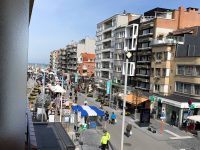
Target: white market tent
point(195, 118)
point(57, 89)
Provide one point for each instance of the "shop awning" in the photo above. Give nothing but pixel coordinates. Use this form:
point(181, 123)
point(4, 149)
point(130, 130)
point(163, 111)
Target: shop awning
point(133, 99)
point(88, 110)
point(195, 118)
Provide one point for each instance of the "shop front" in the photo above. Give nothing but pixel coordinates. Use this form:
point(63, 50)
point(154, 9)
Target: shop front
point(175, 112)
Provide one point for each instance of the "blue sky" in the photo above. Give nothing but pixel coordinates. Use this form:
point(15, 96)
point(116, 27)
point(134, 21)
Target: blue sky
point(54, 23)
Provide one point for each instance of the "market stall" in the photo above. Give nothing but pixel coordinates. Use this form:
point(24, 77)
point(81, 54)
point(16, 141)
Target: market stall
point(87, 115)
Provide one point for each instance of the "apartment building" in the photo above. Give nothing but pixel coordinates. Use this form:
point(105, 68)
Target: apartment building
point(187, 63)
point(110, 52)
point(157, 24)
point(86, 65)
point(74, 52)
point(54, 59)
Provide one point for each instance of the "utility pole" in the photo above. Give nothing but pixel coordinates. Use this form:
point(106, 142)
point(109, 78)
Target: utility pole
point(124, 102)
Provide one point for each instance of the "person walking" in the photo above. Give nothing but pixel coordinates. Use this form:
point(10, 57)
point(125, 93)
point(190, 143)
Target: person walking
point(113, 118)
point(108, 138)
point(106, 116)
point(104, 141)
point(76, 98)
point(129, 129)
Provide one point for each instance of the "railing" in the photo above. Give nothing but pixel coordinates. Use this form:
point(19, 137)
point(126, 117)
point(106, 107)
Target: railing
point(30, 132)
point(163, 41)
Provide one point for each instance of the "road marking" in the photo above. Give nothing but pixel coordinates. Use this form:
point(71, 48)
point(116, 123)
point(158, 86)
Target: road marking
point(181, 137)
point(172, 133)
point(176, 136)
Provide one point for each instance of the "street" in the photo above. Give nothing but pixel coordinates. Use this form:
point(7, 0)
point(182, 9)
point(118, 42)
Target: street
point(141, 138)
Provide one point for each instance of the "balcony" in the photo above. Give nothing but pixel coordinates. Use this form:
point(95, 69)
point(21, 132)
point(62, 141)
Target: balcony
point(143, 61)
point(163, 41)
point(142, 75)
point(142, 88)
point(144, 48)
point(147, 34)
point(146, 18)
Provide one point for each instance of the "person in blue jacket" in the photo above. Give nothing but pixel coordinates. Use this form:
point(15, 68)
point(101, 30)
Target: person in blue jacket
point(113, 118)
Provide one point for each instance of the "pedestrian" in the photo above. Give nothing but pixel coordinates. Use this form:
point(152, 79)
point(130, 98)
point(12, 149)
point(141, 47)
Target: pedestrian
point(106, 116)
point(76, 98)
point(113, 118)
point(70, 95)
point(108, 137)
point(104, 141)
point(129, 129)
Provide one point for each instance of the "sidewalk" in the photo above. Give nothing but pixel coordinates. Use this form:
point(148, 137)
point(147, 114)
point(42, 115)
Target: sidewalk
point(169, 132)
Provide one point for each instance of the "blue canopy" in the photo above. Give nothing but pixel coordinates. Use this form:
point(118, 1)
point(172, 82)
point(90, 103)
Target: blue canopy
point(88, 110)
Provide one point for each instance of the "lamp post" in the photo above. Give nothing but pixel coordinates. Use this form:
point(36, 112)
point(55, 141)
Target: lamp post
point(124, 102)
point(43, 97)
point(61, 102)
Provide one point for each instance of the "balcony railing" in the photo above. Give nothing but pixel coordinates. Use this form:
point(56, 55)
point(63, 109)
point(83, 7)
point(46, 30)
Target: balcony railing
point(144, 48)
point(163, 41)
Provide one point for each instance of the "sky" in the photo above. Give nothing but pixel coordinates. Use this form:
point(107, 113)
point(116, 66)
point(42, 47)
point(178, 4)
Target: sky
point(55, 23)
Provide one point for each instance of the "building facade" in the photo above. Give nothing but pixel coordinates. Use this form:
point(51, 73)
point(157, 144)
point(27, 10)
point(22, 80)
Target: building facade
point(110, 54)
point(54, 59)
point(86, 65)
point(156, 24)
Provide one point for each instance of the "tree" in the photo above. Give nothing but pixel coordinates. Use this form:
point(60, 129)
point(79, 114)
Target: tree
point(137, 94)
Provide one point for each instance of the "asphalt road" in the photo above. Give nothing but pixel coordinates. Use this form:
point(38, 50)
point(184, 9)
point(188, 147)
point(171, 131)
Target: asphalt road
point(138, 141)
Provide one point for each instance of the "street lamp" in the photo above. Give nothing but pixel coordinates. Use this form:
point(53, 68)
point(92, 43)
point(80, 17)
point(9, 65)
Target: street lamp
point(43, 97)
point(61, 102)
point(124, 102)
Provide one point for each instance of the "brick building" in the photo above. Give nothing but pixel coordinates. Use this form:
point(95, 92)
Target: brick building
point(86, 65)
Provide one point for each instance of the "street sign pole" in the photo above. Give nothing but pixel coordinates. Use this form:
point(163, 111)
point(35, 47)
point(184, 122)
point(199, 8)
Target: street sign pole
point(124, 105)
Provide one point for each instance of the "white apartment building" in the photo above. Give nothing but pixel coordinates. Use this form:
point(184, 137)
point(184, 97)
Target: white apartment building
point(110, 46)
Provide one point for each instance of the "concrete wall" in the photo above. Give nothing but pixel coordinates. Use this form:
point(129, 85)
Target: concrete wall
point(14, 24)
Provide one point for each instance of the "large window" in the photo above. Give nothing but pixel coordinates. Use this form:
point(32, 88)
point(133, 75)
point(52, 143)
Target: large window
point(189, 70)
point(180, 70)
point(164, 72)
point(188, 88)
point(158, 56)
point(179, 87)
point(157, 87)
point(197, 71)
point(157, 71)
point(197, 89)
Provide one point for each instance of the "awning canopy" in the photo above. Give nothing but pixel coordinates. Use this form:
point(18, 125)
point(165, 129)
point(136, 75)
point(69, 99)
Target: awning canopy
point(195, 118)
point(88, 110)
point(57, 89)
point(133, 99)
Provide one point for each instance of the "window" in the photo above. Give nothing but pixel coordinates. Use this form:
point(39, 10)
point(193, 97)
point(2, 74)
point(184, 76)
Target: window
point(179, 87)
point(166, 55)
point(197, 89)
point(145, 45)
point(164, 72)
point(157, 71)
point(197, 70)
point(189, 70)
point(180, 70)
point(157, 87)
point(187, 88)
point(158, 56)
point(119, 69)
point(152, 71)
